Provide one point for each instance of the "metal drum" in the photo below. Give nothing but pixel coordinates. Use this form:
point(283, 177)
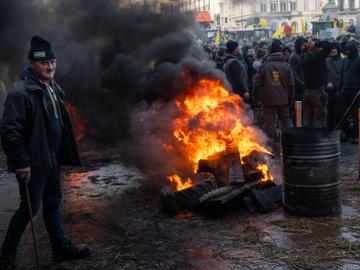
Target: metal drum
point(311, 175)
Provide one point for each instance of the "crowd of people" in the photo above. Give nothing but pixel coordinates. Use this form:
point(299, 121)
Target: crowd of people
point(272, 75)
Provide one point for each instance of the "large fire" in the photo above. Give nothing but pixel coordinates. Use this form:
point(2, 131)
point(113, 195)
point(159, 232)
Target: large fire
point(210, 121)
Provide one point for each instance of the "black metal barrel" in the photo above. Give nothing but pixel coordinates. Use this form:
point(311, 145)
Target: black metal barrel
point(311, 176)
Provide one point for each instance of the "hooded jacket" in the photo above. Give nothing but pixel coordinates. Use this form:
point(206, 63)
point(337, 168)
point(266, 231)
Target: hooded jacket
point(274, 83)
point(27, 132)
point(351, 69)
point(334, 67)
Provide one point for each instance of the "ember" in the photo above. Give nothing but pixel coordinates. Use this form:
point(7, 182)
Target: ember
point(212, 120)
point(78, 122)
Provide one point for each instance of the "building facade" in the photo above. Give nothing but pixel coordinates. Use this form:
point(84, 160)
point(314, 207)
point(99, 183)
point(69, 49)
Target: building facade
point(231, 14)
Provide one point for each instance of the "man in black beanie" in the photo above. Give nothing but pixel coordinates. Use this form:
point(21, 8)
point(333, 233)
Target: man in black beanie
point(274, 89)
point(236, 70)
point(37, 137)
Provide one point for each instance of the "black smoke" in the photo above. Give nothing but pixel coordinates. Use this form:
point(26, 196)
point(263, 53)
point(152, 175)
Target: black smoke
point(110, 55)
point(121, 66)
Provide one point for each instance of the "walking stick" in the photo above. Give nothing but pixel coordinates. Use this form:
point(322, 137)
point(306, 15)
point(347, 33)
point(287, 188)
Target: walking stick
point(298, 113)
point(347, 111)
point(33, 231)
point(358, 144)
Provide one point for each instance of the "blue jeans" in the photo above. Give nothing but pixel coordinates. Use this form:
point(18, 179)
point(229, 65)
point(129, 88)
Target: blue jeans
point(45, 188)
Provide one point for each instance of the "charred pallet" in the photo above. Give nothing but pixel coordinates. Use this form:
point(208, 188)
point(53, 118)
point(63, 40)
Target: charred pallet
point(186, 199)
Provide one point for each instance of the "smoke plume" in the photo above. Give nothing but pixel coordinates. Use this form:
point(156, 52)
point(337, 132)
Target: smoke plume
point(110, 56)
point(118, 64)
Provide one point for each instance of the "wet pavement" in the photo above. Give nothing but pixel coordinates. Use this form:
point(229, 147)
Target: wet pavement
point(112, 209)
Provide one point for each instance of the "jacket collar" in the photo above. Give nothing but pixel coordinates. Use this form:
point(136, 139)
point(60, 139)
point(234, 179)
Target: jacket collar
point(33, 83)
point(275, 57)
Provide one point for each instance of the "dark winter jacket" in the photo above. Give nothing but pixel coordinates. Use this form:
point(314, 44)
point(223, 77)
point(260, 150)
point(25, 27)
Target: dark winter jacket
point(351, 70)
point(295, 64)
point(27, 131)
point(314, 66)
point(236, 73)
point(334, 67)
point(274, 83)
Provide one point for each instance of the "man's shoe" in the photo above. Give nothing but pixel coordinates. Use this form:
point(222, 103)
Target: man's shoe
point(8, 263)
point(70, 253)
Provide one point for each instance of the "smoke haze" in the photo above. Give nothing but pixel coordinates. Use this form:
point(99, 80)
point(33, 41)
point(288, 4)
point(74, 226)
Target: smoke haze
point(117, 65)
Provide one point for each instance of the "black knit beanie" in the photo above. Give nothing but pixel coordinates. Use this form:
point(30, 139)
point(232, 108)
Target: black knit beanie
point(40, 49)
point(231, 45)
point(276, 46)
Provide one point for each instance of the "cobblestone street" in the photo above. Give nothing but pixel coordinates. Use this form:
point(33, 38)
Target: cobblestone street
point(115, 211)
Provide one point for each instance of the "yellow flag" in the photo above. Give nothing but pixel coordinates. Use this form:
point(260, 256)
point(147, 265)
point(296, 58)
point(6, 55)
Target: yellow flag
point(279, 32)
point(225, 38)
point(263, 23)
point(293, 29)
point(335, 23)
point(217, 38)
point(344, 27)
point(303, 30)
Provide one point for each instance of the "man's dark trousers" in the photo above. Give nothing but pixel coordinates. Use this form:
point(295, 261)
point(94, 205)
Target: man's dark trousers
point(315, 107)
point(272, 114)
point(45, 188)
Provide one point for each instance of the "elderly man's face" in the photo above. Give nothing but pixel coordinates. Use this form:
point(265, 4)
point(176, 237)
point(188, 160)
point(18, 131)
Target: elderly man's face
point(45, 69)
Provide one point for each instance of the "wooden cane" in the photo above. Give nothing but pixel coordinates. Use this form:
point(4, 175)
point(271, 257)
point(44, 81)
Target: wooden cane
point(33, 231)
point(298, 113)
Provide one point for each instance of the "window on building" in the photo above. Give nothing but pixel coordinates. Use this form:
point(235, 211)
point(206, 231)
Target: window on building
point(341, 4)
point(217, 19)
point(221, 7)
point(263, 7)
point(293, 6)
point(317, 4)
point(306, 5)
point(352, 4)
point(283, 5)
point(273, 5)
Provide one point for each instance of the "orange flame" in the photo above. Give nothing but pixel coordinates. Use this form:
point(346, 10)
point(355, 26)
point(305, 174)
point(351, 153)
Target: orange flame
point(267, 176)
point(78, 121)
point(212, 120)
point(178, 182)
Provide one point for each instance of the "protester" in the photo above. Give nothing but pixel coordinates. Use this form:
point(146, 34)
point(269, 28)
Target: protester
point(236, 71)
point(334, 68)
point(260, 55)
point(286, 52)
point(249, 60)
point(220, 58)
point(316, 79)
point(274, 90)
point(350, 85)
point(295, 64)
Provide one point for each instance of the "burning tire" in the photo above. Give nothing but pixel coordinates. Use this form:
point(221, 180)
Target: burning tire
point(186, 199)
